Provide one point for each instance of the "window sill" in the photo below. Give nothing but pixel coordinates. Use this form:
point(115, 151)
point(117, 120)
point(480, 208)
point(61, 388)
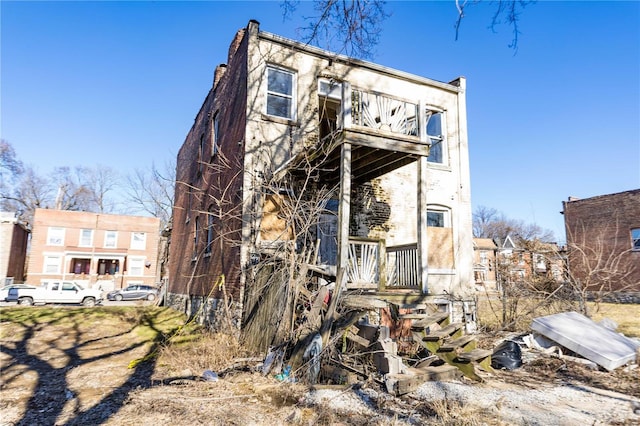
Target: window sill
point(280, 120)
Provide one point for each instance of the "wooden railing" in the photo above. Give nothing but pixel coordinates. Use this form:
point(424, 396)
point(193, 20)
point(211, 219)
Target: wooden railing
point(402, 266)
point(364, 263)
point(372, 265)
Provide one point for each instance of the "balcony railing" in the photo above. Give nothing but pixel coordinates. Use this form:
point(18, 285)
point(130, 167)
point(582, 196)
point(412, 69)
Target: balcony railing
point(374, 266)
point(384, 113)
point(363, 270)
point(402, 266)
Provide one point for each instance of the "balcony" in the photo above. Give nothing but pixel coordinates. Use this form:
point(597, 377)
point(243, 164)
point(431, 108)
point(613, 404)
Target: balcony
point(385, 133)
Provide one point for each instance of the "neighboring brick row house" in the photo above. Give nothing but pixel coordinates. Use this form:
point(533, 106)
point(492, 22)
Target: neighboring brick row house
point(381, 152)
point(98, 250)
point(505, 260)
point(13, 249)
point(603, 238)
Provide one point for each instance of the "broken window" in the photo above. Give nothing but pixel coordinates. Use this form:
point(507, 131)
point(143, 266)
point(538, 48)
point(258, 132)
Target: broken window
point(435, 121)
point(280, 93)
point(635, 239)
point(329, 102)
point(196, 234)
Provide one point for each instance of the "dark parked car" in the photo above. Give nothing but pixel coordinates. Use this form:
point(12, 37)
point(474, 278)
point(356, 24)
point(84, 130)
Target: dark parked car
point(134, 292)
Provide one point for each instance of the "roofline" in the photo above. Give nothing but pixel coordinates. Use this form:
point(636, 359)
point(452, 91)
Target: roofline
point(336, 57)
point(577, 200)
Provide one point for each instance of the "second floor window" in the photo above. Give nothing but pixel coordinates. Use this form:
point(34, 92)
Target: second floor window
point(635, 239)
point(110, 239)
point(55, 236)
point(86, 238)
point(210, 223)
point(138, 240)
point(280, 93)
point(435, 124)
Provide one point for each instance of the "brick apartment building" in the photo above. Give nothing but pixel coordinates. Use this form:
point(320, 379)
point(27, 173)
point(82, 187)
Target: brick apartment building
point(97, 250)
point(14, 237)
point(603, 240)
point(288, 127)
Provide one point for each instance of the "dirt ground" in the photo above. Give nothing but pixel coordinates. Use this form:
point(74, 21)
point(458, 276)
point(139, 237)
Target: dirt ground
point(108, 367)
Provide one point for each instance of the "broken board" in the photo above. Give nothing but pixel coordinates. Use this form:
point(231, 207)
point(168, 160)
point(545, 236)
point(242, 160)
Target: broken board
point(583, 336)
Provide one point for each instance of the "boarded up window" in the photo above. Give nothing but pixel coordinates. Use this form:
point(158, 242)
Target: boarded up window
point(274, 225)
point(440, 248)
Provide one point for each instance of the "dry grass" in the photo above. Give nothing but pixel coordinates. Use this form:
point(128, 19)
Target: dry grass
point(490, 314)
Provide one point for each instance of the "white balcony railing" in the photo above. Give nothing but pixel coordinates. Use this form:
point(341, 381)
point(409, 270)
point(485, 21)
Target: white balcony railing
point(384, 113)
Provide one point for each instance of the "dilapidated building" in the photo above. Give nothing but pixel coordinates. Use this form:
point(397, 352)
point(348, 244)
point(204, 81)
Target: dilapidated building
point(309, 177)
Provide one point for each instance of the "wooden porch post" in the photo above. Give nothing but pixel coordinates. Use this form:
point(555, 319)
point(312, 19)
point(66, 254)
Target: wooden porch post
point(423, 241)
point(344, 207)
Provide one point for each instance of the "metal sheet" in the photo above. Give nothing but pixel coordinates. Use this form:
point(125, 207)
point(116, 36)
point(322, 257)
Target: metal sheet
point(583, 336)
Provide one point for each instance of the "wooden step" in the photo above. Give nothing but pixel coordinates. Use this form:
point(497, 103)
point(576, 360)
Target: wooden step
point(473, 355)
point(460, 342)
point(400, 384)
point(447, 331)
point(433, 318)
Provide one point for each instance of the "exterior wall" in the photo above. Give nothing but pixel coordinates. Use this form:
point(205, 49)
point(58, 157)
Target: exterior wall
point(99, 272)
point(601, 227)
point(253, 146)
point(272, 141)
point(13, 248)
point(208, 187)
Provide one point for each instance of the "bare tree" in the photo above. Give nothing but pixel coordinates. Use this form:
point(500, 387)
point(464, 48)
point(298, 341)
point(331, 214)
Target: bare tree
point(152, 191)
point(101, 182)
point(30, 192)
point(489, 223)
point(353, 27)
point(10, 166)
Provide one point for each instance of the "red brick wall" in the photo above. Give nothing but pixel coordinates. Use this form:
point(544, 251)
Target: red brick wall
point(600, 227)
point(214, 185)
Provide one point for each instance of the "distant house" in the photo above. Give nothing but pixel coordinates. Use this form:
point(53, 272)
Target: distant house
point(484, 263)
point(14, 238)
point(529, 262)
point(373, 161)
point(98, 250)
point(603, 241)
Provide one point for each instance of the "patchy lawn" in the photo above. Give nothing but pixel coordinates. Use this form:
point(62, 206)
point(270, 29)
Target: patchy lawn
point(144, 366)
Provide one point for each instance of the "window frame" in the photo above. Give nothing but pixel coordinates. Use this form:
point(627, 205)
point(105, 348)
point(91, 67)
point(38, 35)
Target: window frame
point(434, 139)
point(132, 266)
point(51, 236)
point(635, 239)
point(107, 239)
point(81, 238)
point(444, 211)
point(292, 98)
point(210, 229)
point(215, 133)
point(134, 245)
point(47, 264)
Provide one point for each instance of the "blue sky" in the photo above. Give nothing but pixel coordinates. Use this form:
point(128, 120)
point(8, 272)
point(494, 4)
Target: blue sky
point(119, 84)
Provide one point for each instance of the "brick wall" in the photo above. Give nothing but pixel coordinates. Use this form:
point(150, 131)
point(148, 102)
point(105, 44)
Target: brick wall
point(600, 227)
